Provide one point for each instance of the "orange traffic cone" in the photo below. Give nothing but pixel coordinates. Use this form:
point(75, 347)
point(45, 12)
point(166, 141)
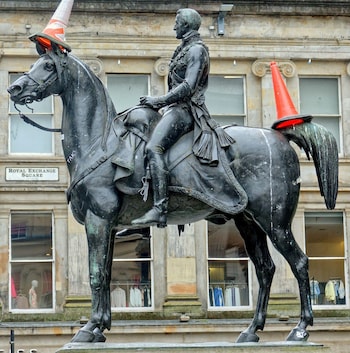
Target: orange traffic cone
point(287, 115)
point(55, 29)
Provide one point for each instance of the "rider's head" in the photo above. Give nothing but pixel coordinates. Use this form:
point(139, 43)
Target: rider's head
point(186, 20)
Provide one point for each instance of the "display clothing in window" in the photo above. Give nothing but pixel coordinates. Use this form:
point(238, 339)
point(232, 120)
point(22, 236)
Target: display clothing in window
point(315, 291)
point(335, 292)
point(118, 297)
point(135, 296)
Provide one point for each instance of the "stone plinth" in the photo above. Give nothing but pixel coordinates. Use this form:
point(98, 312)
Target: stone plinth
point(212, 347)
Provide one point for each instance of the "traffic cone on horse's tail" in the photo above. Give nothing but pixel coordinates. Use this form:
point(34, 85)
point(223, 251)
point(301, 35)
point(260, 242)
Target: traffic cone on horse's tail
point(287, 115)
point(55, 29)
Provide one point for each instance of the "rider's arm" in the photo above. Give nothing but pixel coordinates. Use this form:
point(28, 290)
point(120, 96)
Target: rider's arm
point(196, 60)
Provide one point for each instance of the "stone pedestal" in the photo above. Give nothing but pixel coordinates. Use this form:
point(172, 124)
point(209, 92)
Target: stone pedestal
point(212, 347)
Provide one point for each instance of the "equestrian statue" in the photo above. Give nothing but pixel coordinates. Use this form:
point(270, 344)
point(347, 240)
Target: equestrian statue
point(171, 148)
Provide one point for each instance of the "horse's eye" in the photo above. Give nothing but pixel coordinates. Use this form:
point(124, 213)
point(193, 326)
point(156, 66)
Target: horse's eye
point(49, 66)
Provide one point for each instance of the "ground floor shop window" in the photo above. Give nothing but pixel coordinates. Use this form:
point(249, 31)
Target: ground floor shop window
point(131, 284)
point(325, 247)
point(31, 262)
point(228, 268)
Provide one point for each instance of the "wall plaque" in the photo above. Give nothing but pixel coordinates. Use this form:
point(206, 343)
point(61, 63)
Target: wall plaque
point(31, 174)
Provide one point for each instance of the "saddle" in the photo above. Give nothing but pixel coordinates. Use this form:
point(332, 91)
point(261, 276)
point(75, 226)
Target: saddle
point(215, 186)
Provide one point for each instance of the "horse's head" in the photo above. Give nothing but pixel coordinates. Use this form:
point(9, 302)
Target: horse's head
point(43, 79)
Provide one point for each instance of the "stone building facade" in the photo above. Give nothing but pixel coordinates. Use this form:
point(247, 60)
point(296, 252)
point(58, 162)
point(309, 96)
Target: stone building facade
point(205, 272)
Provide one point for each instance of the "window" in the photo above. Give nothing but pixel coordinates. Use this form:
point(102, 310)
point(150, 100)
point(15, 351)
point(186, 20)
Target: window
point(126, 89)
point(225, 99)
point(324, 234)
point(131, 284)
point(31, 262)
point(228, 268)
point(319, 97)
point(24, 138)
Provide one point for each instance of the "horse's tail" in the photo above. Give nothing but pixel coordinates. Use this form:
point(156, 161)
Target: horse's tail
point(318, 142)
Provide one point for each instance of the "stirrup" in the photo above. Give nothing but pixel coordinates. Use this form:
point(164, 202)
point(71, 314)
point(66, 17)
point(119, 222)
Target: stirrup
point(153, 216)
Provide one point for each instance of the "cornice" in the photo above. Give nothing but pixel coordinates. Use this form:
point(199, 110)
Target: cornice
point(258, 7)
point(162, 47)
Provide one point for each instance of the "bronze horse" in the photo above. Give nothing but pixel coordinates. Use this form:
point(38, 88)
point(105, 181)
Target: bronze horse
point(262, 160)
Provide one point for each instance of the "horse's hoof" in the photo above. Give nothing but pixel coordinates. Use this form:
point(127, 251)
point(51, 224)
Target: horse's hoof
point(99, 336)
point(298, 334)
point(247, 337)
point(83, 336)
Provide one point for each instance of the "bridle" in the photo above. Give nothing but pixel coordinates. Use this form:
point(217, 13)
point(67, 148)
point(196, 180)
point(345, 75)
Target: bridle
point(43, 85)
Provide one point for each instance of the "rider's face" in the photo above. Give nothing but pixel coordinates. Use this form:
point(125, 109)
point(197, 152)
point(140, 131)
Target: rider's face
point(180, 27)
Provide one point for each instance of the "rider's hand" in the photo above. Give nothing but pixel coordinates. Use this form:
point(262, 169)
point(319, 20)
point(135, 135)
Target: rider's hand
point(153, 102)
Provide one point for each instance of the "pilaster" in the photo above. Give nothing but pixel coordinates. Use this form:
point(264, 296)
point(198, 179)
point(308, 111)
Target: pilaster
point(261, 68)
point(181, 297)
point(78, 298)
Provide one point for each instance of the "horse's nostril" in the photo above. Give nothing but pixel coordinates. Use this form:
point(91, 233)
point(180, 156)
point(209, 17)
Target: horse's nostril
point(14, 90)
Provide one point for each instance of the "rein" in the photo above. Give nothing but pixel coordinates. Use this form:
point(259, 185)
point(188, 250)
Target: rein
point(33, 123)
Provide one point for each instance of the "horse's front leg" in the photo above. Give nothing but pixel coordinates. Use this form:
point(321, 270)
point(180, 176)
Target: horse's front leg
point(100, 245)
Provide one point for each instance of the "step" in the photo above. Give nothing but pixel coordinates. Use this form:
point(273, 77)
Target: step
point(208, 347)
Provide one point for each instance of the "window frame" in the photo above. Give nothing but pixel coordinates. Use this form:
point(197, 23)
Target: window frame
point(125, 74)
point(149, 259)
point(51, 261)
point(344, 259)
point(242, 116)
point(12, 114)
point(339, 116)
point(219, 259)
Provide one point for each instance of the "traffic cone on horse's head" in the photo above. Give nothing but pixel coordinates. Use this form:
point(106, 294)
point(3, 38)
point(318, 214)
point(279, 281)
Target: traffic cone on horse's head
point(55, 29)
point(287, 115)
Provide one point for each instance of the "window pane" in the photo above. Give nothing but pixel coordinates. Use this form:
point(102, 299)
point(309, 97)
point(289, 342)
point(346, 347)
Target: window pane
point(131, 284)
point(31, 236)
point(136, 245)
point(327, 282)
point(25, 138)
point(225, 95)
point(224, 241)
point(228, 272)
point(319, 96)
point(228, 283)
point(31, 285)
point(131, 277)
point(126, 90)
point(324, 234)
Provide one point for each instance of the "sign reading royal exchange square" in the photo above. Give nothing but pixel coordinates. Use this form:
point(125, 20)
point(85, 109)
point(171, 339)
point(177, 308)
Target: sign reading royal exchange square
point(158, 277)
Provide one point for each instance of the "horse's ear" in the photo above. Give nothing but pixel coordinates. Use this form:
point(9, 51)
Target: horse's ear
point(40, 49)
point(57, 49)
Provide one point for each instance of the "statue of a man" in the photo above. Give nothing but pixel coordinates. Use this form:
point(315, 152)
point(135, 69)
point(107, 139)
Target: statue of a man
point(184, 111)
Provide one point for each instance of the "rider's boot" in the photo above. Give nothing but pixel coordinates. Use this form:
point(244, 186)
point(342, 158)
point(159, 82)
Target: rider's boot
point(159, 178)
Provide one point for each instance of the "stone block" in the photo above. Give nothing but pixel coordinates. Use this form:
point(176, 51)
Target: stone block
point(212, 347)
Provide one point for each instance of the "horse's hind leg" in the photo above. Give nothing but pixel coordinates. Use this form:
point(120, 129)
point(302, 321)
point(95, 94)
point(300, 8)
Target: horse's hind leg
point(100, 244)
point(284, 242)
point(257, 249)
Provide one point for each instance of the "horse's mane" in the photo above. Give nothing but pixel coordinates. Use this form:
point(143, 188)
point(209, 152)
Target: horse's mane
point(100, 87)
